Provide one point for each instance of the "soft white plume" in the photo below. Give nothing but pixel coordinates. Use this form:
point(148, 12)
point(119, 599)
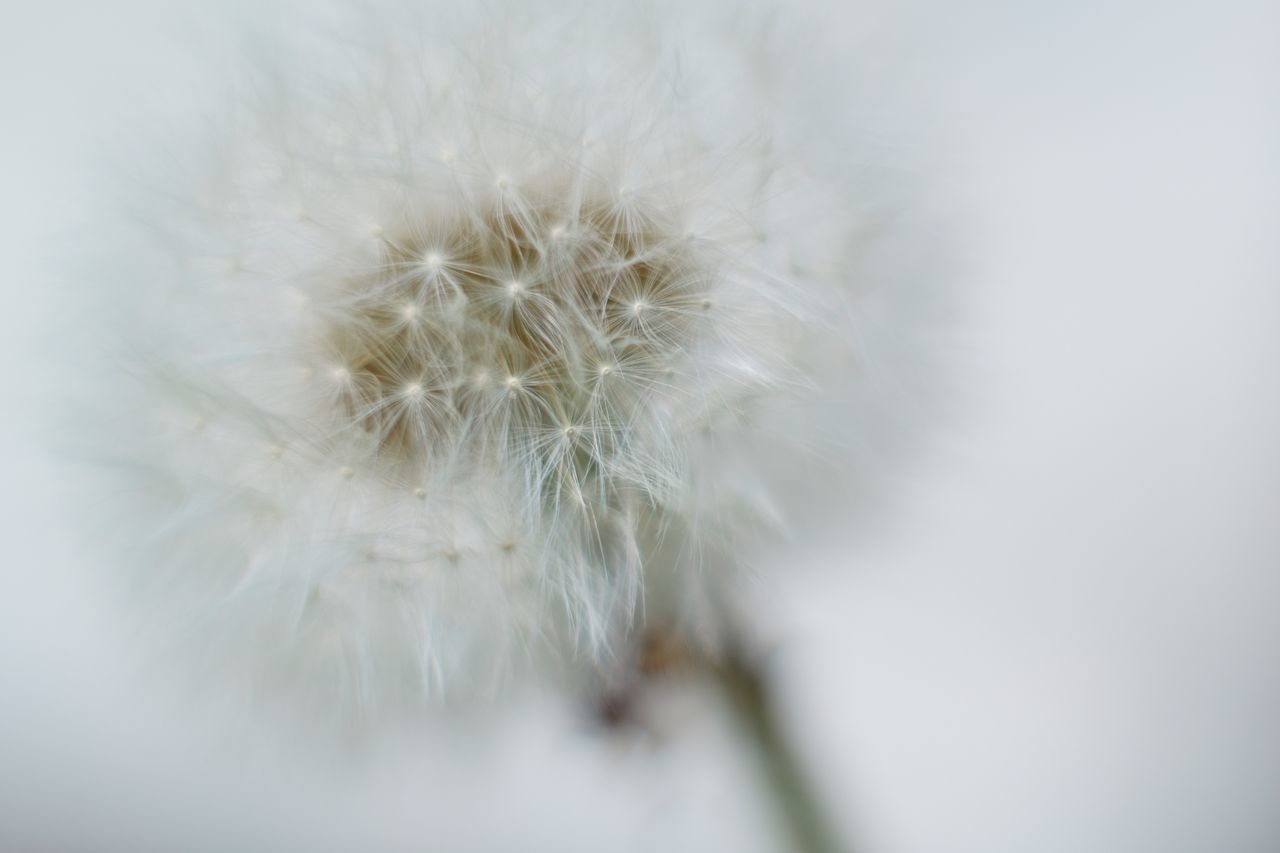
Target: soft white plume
point(466, 338)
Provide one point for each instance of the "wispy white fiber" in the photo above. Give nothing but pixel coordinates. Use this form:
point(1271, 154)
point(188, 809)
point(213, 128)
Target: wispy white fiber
point(462, 342)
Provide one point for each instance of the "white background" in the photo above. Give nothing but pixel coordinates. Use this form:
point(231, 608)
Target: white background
point(1066, 635)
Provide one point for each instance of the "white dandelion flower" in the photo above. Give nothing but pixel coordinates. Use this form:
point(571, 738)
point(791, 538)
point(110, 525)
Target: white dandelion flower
point(467, 341)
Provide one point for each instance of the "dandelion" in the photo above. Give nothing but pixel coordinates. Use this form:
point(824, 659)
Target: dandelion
point(471, 347)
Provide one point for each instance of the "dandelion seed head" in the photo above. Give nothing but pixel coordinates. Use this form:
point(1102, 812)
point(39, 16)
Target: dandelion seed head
point(518, 358)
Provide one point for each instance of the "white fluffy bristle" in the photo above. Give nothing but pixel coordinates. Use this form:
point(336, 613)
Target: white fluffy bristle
point(501, 334)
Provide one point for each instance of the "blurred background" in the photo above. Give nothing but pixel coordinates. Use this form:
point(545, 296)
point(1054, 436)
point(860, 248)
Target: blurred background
point(1062, 635)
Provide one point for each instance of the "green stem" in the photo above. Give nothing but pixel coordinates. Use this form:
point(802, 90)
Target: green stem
point(797, 806)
